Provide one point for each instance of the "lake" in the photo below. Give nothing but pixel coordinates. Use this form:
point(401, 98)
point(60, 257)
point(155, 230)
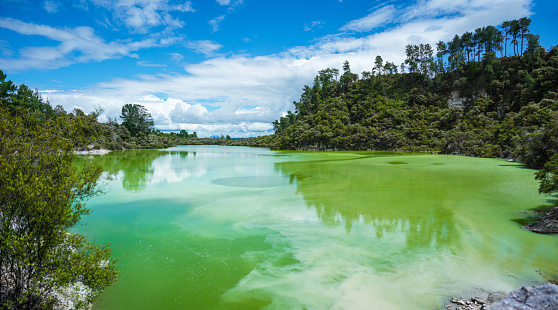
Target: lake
point(211, 227)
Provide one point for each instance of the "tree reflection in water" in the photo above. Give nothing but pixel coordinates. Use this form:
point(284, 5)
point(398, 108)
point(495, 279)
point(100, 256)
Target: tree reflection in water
point(391, 195)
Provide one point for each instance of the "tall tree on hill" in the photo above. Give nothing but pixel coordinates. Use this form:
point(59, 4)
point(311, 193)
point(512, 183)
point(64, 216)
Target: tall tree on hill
point(441, 51)
point(378, 65)
point(480, 41)
point(425, 51)
point(467, 42)
point(348, 77)
point(514, 31)
point(412, 58)
point(523, 25)
point(455, 54)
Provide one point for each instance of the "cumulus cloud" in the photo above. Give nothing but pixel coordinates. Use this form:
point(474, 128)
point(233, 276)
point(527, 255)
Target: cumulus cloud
point(189, 113)
point(241, 95)
point(79, 44)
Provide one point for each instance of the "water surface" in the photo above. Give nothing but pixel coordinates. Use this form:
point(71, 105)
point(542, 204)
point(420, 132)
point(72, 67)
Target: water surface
point(208, 227)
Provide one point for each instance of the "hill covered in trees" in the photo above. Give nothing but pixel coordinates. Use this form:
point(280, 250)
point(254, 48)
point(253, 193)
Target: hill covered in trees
point(463, 99)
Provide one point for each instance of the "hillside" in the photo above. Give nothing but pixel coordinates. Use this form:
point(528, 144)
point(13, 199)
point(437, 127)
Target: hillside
point(463, 101)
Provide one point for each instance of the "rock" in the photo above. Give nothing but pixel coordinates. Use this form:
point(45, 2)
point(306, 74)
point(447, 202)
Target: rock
point(92, 152)
point(478, 300)
point(548, 224)
point(495, 296)
point(458, 301)
point(544, 297)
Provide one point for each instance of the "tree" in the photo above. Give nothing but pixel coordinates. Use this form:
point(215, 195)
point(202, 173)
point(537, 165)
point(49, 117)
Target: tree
point(533, 50)
point(348, 77)
point(467, 42)
point(412, 57)
point(42, 195)
point(22, 99)
point(378, 65)
point(7, 88)
point(523, 25)
point(506, 26)
point(136, 119)
point(548, 176)
point(425, 58)
point(441, 51)
point(515, 30)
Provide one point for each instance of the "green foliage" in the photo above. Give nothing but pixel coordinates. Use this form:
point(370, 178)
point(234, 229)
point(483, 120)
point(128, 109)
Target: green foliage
point(22, 99)
point(548, 176)
point(507, 108)
point(136, 119)
point(42, 195)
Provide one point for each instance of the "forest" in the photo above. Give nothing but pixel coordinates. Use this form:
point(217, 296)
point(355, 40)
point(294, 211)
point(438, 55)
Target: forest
point(463, 99)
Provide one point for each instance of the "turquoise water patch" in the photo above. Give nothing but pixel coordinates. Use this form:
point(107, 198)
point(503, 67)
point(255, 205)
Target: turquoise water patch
point(258, 181)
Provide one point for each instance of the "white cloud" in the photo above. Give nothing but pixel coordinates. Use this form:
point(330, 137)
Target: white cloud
point(373, 20)
point(77, 45)
point(214, 23)
point(313, 25)
point(142, 15)
point(241, 96)
point(148, 64)
point(5, 49)
point(229, 2)
point(176, 57)
point(205, 47)
point(51, 6)
point(188, 113)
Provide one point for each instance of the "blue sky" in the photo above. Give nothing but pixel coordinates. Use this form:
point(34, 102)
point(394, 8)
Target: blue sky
point(222, 66)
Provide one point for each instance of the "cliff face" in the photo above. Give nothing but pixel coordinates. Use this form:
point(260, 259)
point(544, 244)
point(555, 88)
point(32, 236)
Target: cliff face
point(458, 100)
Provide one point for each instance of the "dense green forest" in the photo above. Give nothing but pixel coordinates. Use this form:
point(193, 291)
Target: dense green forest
point(461, 100)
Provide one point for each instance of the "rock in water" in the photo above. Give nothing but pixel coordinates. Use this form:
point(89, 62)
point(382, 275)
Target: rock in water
point(546, 225)
point(544, 297)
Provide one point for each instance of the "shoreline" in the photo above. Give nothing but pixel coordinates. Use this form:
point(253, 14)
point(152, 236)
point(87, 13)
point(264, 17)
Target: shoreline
point(93, 152)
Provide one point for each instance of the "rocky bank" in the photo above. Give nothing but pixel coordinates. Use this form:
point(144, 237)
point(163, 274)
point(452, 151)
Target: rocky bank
point(543, 297)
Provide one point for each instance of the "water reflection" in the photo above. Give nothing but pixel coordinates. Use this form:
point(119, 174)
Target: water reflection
point(139, 168)
point(242, 228)
point(391, 198)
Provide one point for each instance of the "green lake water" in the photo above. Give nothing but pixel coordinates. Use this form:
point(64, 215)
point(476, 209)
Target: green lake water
point(209, 227)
